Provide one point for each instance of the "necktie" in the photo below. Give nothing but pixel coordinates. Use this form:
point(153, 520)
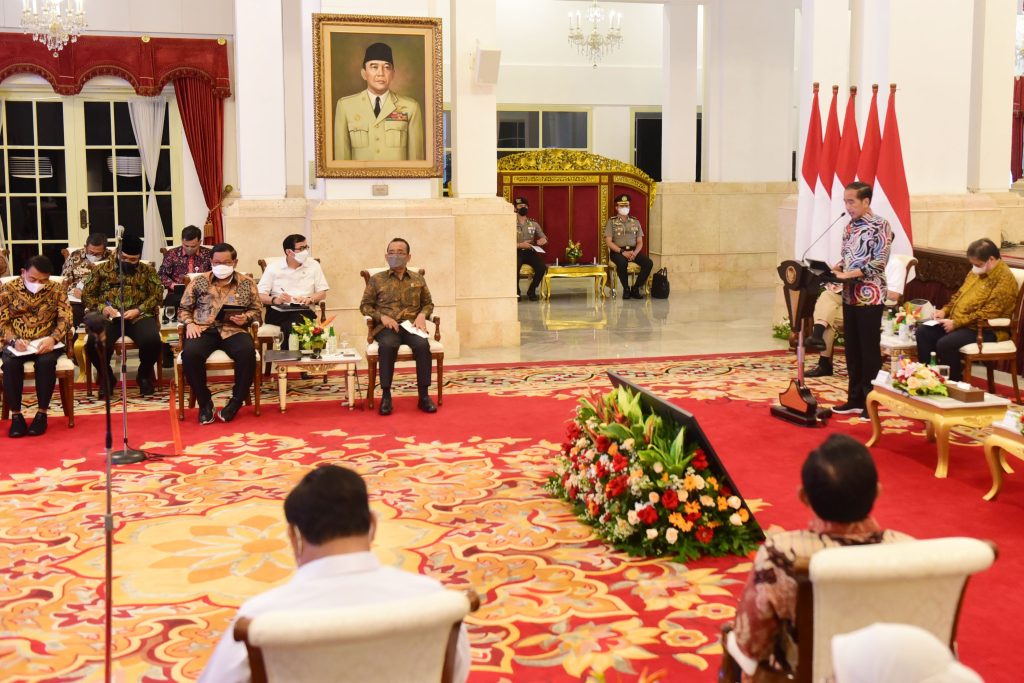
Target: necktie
point(376, 108)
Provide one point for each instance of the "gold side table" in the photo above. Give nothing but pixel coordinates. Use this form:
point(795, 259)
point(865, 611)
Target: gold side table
point(940, 414)
point(596, 271)
point(998, 444)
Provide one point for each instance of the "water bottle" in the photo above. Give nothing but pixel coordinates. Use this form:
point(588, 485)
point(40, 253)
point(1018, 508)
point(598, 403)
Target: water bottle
point(293, 342)
point(934, 360)
point(332, 341)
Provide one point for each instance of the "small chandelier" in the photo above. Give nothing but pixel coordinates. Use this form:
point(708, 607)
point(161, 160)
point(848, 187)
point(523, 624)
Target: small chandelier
point(57, 24)
point(595, 44)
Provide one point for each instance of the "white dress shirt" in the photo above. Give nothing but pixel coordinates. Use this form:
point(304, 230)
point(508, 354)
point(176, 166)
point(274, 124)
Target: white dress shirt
point(306, 280)
point(346, 580)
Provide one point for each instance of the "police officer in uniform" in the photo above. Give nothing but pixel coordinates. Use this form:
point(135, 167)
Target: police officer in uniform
point(377, 124)
point(625, 239)
point(528, 233)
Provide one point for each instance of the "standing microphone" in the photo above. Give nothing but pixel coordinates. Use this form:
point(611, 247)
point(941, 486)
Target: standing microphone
point(823, 233)
point(118, 234)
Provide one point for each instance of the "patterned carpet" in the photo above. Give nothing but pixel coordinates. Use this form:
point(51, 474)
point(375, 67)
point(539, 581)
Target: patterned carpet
point(459, 497)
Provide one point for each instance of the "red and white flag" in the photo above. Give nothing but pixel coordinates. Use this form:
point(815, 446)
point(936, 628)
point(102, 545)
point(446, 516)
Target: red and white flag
point(846, 172)
point(891, 196)
point(823, 189)
point(808, 179)
point(868, 162)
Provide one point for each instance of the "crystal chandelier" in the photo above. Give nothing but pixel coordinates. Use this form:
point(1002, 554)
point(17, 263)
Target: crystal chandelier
point(594, 44)
point(58, 23)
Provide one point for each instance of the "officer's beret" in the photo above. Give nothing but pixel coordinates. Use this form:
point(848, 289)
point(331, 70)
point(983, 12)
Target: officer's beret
point(520, 201)
point(379, 52)
point(622, 199)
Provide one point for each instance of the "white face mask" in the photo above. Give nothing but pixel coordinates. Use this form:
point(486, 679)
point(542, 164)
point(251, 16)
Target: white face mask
point(33, 287)
point(93, 258)
point(623, 210)
point(978, 270)
point(222, 271)
point(301, 256)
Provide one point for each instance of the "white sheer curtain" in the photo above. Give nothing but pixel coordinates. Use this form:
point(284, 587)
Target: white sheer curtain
point(148, 124)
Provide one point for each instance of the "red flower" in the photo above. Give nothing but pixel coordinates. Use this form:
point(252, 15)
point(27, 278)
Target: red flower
point(700, 460)
point(616, 487)
point(571, 492)
point(573, 431)
point(602, 443)
point(670, 499)
point(647, 514)
point(704, 534)
point(600, 470)
point(317, 331)
point(593, 508)
point(693, 517)
point(725, 490)
point(619, 462)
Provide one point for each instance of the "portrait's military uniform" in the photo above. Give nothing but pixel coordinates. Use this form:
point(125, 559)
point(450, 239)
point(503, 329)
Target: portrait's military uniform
point(528, 230)
point(625, 233)
point(396, 134)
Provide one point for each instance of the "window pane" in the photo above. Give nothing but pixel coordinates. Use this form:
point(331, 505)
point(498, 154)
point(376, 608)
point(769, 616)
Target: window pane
point(22, 170)
point(129, 214)
point(518, 129)
point(4, 222)
point(55, 218)
point(3, 173)
point(97, 123)
point(165, 139)
point(19, 123)
point(23, 218)
point(52, 178)
point(52, 251)
point(123, 133)
point(21, 253)
point(101, 215)
point(99, 178)
point(127, 166)
point(163, 172)
point(565, 129)
point(163, 204)
point(50, 123)
point(447, 128)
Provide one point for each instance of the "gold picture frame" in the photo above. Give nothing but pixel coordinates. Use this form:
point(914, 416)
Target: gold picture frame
point(403, 139)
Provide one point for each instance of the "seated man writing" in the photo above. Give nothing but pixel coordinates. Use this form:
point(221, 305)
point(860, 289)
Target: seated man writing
point(391, 298)
point(290, 286)
point(206, 330)
point(331, 529)
point(990, 291)
point(79, 266)
point(840, 484)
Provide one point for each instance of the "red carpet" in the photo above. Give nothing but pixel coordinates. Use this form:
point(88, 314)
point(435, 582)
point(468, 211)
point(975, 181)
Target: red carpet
point(461, 499)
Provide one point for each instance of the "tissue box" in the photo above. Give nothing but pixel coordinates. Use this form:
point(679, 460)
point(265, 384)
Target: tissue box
point(971, 395)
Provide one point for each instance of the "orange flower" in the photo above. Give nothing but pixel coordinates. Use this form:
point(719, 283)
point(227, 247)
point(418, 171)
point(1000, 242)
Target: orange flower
point(613, 450)
point(723, 504)
point(712, 482)
point(692, 508)
point(680, 522)
point(744, 515)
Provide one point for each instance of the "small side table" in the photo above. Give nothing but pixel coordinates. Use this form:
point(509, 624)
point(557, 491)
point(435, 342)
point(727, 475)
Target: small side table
point(286, 361)
point(596, 271)
point(998, 444)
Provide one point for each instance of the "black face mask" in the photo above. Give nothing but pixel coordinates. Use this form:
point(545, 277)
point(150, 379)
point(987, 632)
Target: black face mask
point(129, 268)
point(522, 211)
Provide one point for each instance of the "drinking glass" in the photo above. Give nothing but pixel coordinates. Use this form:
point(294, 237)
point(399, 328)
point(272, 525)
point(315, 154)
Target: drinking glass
point(943, 371)
point(170, 313)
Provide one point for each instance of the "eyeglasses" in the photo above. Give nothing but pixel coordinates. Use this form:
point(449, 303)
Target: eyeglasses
point(303, 248)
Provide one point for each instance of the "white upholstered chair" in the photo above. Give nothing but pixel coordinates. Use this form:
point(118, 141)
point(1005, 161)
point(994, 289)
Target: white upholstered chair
point(900, 271)
point(218, 360)
point(404, 352)
point(990, 352)
point(407, 641)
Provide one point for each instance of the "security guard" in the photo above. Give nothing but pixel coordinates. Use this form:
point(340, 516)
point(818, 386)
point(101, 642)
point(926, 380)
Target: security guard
point(625, 240)
point(377, 124)
point(528, 233)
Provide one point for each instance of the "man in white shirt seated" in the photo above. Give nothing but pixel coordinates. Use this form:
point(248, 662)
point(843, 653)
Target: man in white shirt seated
point(330, 527)
point(290, 286)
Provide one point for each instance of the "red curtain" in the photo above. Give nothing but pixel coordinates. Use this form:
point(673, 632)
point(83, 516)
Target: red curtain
point(1017, 139)
point(202, 117)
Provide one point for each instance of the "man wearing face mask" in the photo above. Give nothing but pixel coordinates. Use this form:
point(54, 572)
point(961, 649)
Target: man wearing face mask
point(528, 233)
point(392, 297)
point(179, 262)
point(142, 294)
point(331, 530)
point(202, 301)
point(290, 286)
point(625, 240)
point(79, 266)
point(33, 310)
point(990, 291)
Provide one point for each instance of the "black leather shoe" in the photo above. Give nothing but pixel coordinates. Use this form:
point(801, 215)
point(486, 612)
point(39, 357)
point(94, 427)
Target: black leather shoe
point(814, 344)
point(145, 386)
point(427, 405)
point(635, 293)
point(206, 413)
point(626, 294)
point(18, 426)
point(38, 427)
point(823, 369)
point(230, 409)
point(385, 407)
point(533, 297)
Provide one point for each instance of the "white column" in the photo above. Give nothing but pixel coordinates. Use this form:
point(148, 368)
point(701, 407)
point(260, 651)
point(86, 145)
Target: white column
point(988, 157)
point(474, 107)
point(259, 91)
point(824, 59)
point(679, 92)
point(749, 57)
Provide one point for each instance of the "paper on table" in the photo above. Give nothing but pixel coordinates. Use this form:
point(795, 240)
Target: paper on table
point(538, 249)
point(409, 327)
point(932, 322)
point(33, 348)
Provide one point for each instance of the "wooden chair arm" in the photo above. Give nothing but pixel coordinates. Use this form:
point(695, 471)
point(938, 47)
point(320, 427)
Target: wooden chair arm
point(181, 338)
point(437, 328)
point(323, 311)
point(983, 325)
point(369, 329)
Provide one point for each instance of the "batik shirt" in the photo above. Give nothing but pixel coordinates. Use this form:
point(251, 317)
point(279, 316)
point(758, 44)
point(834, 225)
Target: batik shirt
point(866, 244)
point(176, 266)
point(78, 267)
point(528, 231)
point(983, 297)
point(766, 614)
point(28, 316)
point(142, 289)
point(203, 300)
point(401, 298)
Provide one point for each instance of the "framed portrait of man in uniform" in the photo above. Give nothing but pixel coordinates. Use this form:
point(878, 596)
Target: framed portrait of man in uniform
point(377, 96)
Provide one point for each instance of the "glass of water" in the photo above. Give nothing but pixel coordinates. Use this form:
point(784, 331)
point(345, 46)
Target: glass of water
point(170, 314)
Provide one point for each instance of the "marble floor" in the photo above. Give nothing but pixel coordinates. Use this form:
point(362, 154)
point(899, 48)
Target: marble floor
point(573, 325)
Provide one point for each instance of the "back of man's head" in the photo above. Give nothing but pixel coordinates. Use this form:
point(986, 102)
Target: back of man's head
point(330, 502)
point(840, 480)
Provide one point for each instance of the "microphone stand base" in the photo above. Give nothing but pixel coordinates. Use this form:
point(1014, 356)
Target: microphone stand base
point(127, 456)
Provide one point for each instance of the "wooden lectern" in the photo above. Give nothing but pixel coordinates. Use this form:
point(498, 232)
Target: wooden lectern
point(800, 287)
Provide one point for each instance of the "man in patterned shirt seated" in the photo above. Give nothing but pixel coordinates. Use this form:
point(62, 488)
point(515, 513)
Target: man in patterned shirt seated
point(33, 311)
point(200, 304)
point(179, 262)
point(839, 484)
point(79, 266)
